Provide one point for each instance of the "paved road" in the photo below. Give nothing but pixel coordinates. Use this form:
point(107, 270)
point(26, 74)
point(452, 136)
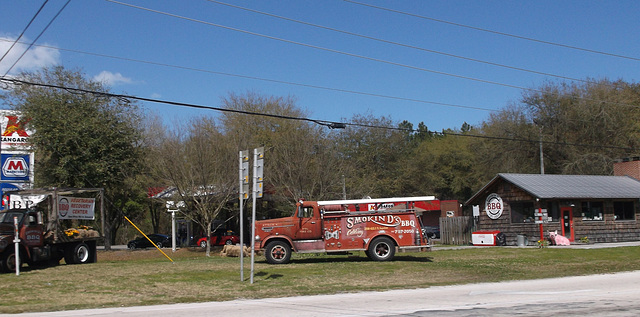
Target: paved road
point(595, 295)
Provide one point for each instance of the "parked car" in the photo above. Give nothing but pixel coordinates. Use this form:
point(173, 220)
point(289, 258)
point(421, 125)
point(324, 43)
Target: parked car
point(220, 238)
point(161, 240)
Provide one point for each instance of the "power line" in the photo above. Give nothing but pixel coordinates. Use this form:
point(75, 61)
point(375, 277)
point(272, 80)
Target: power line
point(326, 123)
point(287, 82)
point(265, 79)
point(38, 37)
point(351, 54)
point(330, 124)
point(23, 31)
point(495, 32)
point(402, 44)
point(319, 47)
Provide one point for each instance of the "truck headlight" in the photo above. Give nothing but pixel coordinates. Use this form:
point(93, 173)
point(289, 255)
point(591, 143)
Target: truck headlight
point(257, 237)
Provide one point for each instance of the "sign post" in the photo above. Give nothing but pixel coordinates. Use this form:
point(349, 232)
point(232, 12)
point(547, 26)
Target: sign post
point(541, 217)
point(258, 168)
point(244, 194)
point(173, 207)
point(16, 240)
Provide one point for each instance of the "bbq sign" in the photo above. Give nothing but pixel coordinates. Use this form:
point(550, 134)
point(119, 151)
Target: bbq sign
point(494, 206)
point(76, 208)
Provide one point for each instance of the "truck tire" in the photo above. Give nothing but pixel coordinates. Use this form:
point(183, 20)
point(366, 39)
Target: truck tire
point(9, 262)
point(277, 252)
point(381, 249)
point(78, 253)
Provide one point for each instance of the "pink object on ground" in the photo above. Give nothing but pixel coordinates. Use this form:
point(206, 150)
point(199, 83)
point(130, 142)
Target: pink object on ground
point(558, 239)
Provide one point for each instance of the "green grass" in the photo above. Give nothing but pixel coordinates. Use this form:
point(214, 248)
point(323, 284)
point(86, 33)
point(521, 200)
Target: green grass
point(126, 278)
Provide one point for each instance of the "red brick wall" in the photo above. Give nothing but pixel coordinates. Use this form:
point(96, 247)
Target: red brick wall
point(450, 205)
point(628, 168)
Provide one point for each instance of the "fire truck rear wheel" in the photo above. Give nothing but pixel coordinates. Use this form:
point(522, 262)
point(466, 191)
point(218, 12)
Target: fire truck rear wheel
point(381, 249)
point(79, 253)
point(277, 252)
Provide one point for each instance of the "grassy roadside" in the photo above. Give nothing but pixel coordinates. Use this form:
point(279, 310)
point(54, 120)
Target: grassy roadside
point(128, 278)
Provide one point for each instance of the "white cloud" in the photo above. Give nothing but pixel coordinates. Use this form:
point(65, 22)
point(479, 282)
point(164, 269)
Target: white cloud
point(37, 57)
point(109, 78)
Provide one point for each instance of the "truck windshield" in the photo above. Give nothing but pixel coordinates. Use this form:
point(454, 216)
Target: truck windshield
point(7, 217)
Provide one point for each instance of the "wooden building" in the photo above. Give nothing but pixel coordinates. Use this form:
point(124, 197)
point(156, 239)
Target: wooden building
point(600, 208)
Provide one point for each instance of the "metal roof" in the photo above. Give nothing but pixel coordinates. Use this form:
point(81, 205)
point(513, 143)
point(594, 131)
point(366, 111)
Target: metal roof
point(546, 186)
point(576, 186)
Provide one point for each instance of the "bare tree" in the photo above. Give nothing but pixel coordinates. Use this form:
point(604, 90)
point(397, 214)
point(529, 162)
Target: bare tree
point(201, 165)
point(583, 128)
point(372, 156)
point(301, 162)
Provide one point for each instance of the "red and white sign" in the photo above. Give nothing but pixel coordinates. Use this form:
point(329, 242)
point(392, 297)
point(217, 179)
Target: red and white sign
point(76, 208)
point(15, 167)
point(14, 129)
point(494, 206)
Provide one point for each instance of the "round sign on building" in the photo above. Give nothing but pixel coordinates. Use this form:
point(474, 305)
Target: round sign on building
point(494, 206)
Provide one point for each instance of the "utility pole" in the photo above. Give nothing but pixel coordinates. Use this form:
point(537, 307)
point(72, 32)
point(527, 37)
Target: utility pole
point(541, 157)
point(541, 154)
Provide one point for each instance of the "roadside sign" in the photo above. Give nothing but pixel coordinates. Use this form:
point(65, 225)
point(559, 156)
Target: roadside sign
point(541, 216)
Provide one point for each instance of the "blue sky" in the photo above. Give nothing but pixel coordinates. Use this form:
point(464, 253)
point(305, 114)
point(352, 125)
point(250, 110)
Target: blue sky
point(199, 51)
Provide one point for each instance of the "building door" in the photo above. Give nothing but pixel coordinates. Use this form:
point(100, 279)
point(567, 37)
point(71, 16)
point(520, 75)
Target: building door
point(567, 222)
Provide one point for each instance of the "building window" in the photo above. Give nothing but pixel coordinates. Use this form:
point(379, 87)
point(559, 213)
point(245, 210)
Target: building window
point(522, 212)
point(553, 211)
point(624, 210)
point(592, 210)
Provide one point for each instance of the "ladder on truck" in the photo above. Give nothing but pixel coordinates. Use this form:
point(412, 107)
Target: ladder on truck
point(378, 202)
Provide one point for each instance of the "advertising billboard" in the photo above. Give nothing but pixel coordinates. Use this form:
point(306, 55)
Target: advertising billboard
point(16, 155)
point(15, 131)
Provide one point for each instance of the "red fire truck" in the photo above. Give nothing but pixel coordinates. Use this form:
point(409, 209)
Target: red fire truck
point(376, 226)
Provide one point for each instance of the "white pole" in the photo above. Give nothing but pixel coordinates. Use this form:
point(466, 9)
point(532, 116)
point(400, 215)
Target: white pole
point(253, 211)
point(173, 230)
point(17, 246)
point(241, 194)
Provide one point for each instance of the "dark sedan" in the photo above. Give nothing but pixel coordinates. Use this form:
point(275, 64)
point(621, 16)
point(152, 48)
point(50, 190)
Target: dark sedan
point(161, 240)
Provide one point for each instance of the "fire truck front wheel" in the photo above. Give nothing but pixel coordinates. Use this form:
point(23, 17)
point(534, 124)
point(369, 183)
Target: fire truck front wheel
point(381, 249)
point(9, 262)
point(277, 252)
